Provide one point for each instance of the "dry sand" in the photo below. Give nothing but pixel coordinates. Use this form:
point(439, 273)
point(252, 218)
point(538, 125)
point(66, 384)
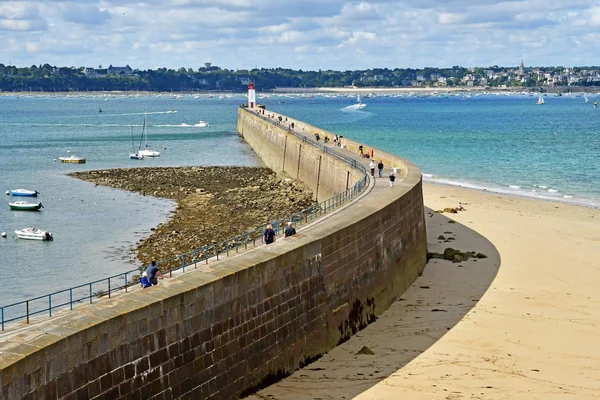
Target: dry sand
point(520, 324)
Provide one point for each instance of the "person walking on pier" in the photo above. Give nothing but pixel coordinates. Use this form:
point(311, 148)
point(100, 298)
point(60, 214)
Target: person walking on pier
point(269, 234)
point(372, 166)
point(392, 179)
point(289, 230)
point(380, 168)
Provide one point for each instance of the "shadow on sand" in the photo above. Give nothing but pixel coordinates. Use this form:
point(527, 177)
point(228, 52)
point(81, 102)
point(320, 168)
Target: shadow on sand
point(435, 303)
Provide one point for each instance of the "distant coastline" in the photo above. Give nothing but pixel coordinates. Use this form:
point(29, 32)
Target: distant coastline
point(291, 90)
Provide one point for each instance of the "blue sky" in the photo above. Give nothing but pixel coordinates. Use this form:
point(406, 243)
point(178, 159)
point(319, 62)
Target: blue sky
point(308, 34)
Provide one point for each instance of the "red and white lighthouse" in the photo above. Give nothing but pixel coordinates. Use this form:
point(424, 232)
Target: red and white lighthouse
point(251, 96)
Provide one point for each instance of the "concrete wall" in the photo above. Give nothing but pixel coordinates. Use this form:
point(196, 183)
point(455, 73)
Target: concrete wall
point(283, 152)
point(240, 323)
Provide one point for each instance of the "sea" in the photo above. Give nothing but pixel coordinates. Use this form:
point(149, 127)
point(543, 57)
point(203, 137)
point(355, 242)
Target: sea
point(495, 142)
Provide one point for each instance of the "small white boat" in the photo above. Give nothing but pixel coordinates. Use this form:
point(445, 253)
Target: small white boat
point(585, 98)
point(541, 100)
point(73, 159)
point(136, 156)
point(201, 124)
point(147, 151)
point(359, 104)
point(24, 192)
point(33, 234)
point(25, 206)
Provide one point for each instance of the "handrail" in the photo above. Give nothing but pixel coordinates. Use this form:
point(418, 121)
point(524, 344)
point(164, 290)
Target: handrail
point(88, 292)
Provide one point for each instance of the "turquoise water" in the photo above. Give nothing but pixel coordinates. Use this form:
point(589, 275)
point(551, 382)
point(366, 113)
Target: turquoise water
point(503, 143)
point(95, 228)
point(508, 144)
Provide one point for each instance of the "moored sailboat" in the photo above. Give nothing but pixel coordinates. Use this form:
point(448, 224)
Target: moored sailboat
point(135, 155)
point(147, 151)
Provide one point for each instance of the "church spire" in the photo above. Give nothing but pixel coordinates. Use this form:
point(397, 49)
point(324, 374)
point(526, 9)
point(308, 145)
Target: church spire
point(521, 68)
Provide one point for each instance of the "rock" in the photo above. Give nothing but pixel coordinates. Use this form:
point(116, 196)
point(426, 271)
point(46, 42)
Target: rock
point(449, 253)
point(213, 203)
point(366, 351)
point(441, 237)
point(480, 255)
point(450, 210)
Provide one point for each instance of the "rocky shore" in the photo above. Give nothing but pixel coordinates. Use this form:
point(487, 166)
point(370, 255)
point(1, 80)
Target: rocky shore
point(213, 203)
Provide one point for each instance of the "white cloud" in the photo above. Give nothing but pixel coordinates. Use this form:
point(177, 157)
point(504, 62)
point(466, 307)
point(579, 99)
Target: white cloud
point(313, 34)
point(451, 18)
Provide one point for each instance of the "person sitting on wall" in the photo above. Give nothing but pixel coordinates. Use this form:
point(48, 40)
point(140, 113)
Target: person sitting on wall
point(360, 149)
point(153, 273)
point(144, 280)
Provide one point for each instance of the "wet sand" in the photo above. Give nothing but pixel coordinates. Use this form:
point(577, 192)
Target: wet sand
point(520, 324)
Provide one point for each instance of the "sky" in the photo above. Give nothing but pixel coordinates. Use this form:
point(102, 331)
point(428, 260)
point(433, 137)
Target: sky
point(307, 35)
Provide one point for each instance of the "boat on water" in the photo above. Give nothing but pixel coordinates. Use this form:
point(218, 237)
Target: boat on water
point(201, 124)
point(585, 98)
point(359, 104)
point(25, 206)
point(23, 193)
point(72, 159)
point(541, 100)
point(147, 151)
point(33, 234)
point(135, 155)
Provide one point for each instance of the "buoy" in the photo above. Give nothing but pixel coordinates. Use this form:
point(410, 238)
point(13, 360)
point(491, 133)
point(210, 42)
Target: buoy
point(7, 192)
point(54, 160)
point(3, 234)
point(68, 151)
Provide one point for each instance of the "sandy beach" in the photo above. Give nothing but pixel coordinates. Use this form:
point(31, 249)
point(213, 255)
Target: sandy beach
point(519, 324)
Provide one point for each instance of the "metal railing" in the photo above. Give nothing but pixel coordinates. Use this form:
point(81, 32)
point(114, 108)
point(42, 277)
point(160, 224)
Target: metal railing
point(106, 287)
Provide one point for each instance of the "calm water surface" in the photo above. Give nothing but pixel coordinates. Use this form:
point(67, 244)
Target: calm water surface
point(503, 143)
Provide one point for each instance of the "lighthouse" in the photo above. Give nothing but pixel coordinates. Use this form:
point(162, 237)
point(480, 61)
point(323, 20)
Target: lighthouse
point(251, 96)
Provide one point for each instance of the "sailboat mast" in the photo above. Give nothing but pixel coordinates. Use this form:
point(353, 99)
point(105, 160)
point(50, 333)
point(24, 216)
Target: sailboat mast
point(143, 133)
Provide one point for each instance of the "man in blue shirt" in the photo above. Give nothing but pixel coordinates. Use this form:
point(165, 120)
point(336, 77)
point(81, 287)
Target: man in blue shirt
point(153, 273)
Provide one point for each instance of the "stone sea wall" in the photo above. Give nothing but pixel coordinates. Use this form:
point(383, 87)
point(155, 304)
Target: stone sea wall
point(238, 324)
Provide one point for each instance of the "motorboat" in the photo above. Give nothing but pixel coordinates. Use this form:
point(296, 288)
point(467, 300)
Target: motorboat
point(23, 192)
point(72, 159)
point(201, 124)
point(33, 234)
point(25, 206)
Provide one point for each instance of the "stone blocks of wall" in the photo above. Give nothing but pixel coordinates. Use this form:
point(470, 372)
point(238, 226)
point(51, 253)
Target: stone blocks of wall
point(237, 325)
